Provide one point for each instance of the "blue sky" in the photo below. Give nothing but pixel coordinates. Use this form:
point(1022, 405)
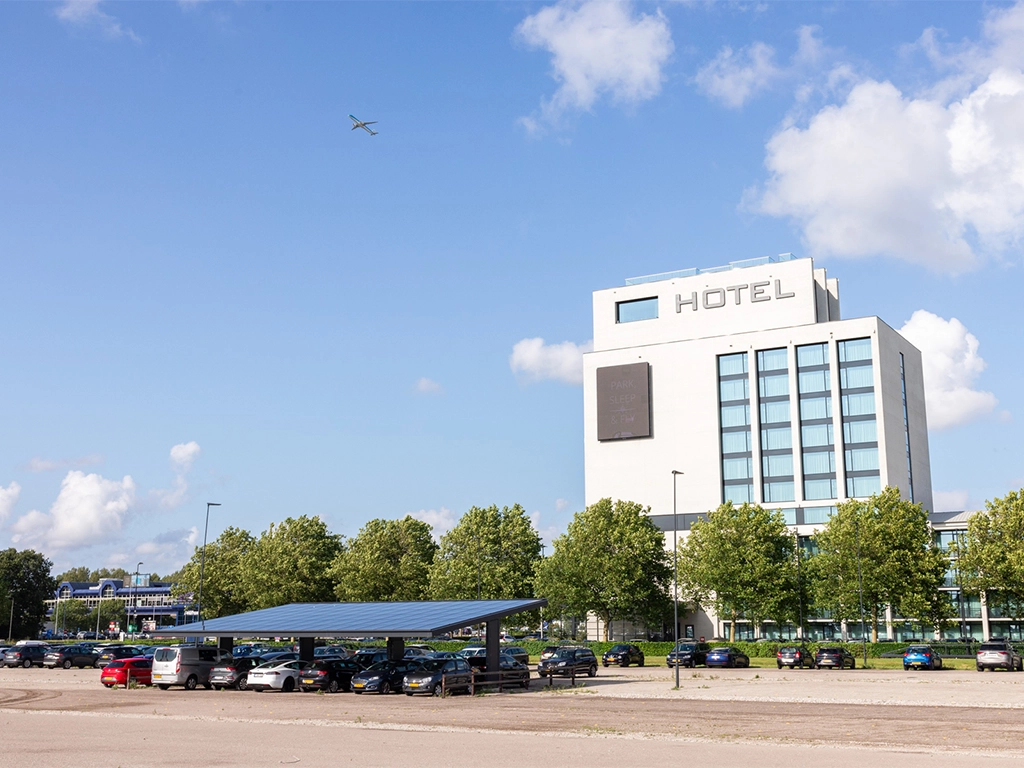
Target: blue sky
point(213, 290)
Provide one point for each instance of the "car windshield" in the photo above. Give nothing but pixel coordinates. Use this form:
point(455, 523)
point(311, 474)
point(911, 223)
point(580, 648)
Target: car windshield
point(165, 654)
point(115, 664)
point(617, 648)
point(564, 654)
point(433, 665)
point(992, 647)
point(685, 648)
point(918, 649)
point(831, 650)
point(380, 666)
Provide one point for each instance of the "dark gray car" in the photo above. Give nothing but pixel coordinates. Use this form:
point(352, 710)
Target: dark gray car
point(68, 656)
point(569, 661)
point(435, 676)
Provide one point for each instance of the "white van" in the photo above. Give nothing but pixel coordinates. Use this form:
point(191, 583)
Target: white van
point(187, 665)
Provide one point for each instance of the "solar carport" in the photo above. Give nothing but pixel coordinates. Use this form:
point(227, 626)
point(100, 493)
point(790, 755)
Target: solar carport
point(394, 621)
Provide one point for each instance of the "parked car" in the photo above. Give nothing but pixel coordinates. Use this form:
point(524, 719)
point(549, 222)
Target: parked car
point(444, 655)
point(834, 657)
point(689, 654)
point(727, 657)
point(277, 656)
point(187, 665)
point(339, 651)
point(367, 657)
point(569, 661)
point(551, 650)
point(112, 652)
point(86, 635)
point(27, 653)
point(623, 654)
point(121, 671)
point(276, 675)
point(514, 671)
point(997, 654)
point(251, 649)
point(384, 676)
point(68, 656)
point(415, 652)
point(434, 675)
point(476, 657)
point(795, 656)
point(517, 653)
point(233, 673)
point(329, 675)
point(921, 656)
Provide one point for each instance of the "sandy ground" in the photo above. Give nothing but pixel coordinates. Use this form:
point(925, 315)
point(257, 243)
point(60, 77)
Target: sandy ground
point(788, 717)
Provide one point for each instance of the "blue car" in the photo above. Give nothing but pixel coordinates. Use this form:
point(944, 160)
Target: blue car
point(727, 657)
point(922, 656)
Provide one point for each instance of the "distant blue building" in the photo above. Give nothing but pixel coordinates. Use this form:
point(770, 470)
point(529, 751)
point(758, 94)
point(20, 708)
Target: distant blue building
point(151, 602)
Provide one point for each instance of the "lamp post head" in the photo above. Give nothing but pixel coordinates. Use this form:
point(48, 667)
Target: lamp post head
point(212, 504)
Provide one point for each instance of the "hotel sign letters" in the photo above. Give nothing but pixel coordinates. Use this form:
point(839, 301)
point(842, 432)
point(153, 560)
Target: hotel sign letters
point(623, 401)
point(714, 298)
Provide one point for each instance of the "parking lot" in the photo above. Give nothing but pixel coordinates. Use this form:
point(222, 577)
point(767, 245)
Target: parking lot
point(965, 717)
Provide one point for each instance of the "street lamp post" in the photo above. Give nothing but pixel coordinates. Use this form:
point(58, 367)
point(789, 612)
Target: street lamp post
point(542, 555)
point(860, 589)
point(202, 560)
point(958, 535)
point(10, 623)
point(675, 574)
point(135, 585)
point(799, 584)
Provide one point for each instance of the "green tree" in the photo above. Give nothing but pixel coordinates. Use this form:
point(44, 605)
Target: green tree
point(109, 610)
point(25, 585)
point(388, 560)
point(289, 563)
point(900, 565)
point(611, 562)
point(72, 615)
point(223, 575)
point(492, 553)
point(742, 562)
point(79, 574)
point(991, 555)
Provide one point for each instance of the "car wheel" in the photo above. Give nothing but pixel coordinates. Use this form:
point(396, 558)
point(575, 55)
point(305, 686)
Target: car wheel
point(604, 664)
point(207, 686)
point(332, 687)
point(289, 685)
point(242, 682)
point(853, 664)
point(981, 668)
point(641, 661)
point(66, 664)
point(592, 672)
point(438, 690)
point(27, 663)
point(163, 687)
point(385, 687)
point(780, 664)
point(526, 683)
point(624, 664)
point(108, 685)
point(357, 692)
point(191, 682)
point(218, 687)
point(906, 668)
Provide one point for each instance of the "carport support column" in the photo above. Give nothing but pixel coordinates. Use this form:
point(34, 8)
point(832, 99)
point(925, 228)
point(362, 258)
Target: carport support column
point(226, 643)
point(493, 647)
point(396, 648)
point(306, 648)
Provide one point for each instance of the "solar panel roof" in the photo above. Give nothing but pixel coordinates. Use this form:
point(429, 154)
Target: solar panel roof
point(412, 619)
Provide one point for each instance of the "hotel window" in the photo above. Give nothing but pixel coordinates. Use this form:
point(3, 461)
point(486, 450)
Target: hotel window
point(860, 427)
point(906, 428)
point(639, 309)
point(734, 415)
point(814, 381)
point(776, 428)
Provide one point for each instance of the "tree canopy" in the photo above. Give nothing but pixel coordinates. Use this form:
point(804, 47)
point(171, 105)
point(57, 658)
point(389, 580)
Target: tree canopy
point(388, 560)
point(743, 562)
point(611, 561)
point(290, 563)
point(25, 585)
point(224, 591)
point(991, 555)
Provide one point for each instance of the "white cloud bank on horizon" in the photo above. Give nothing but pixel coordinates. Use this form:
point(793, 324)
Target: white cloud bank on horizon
point(8, 498)
point(950, 501)
point(597, 48)
point(537, 361)
point(951, 363)
point(88, 510)
point(935, 179)
point(440, 520)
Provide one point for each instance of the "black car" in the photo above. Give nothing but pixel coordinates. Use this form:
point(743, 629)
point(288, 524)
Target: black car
point(384, 676)
point(569, 661)
point(623, 654)
point(234, 673)
point(688, 654)
point(367, 657)
point(112, 652)
point(727, 657)
point(328, 675)
point(437, 676)
point(834, 657)
point(28, 655)
point(477, 657)
point(794, 656)
point(517, 653)
point(68, 656)
point(514, 671)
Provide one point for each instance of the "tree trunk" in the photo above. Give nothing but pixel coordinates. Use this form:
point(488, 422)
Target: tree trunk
point(732, 629)
point(874, 624)
point(607, 626)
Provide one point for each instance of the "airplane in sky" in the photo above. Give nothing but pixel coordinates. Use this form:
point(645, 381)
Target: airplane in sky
point(357, 123)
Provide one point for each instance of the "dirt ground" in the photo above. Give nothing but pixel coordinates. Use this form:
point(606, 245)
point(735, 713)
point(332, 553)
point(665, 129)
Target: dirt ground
point(784, 717)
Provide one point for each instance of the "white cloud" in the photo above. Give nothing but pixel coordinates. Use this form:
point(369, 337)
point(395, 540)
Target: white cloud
point(166, 551)
point(89, 509)
point(561, 505)
point(8, 498)
point(86, 14)
point(427, 386)
point(37, 464)
point(733, 77)
point(182, 457)
point(440, 520)
point(597, 48)
point(949, 356)
point(950, 501)
point(536, 361)
point(935, 179)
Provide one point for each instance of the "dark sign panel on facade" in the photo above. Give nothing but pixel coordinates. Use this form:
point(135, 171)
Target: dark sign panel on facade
point(623, 401)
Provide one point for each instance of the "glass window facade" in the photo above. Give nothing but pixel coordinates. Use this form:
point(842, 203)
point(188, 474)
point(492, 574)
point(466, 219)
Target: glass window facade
point(906, 428)
point(776, 428)
point(734, 424)
point(860, 432)
point(816, 429)
point(639, 309)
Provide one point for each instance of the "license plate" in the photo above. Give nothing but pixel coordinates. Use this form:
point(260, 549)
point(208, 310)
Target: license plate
point(358, 685)
point(109, 679)
point(158, 677)
point(307, 681)
point(414, 685)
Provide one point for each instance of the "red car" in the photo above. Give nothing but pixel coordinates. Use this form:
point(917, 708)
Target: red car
point(119, 671)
